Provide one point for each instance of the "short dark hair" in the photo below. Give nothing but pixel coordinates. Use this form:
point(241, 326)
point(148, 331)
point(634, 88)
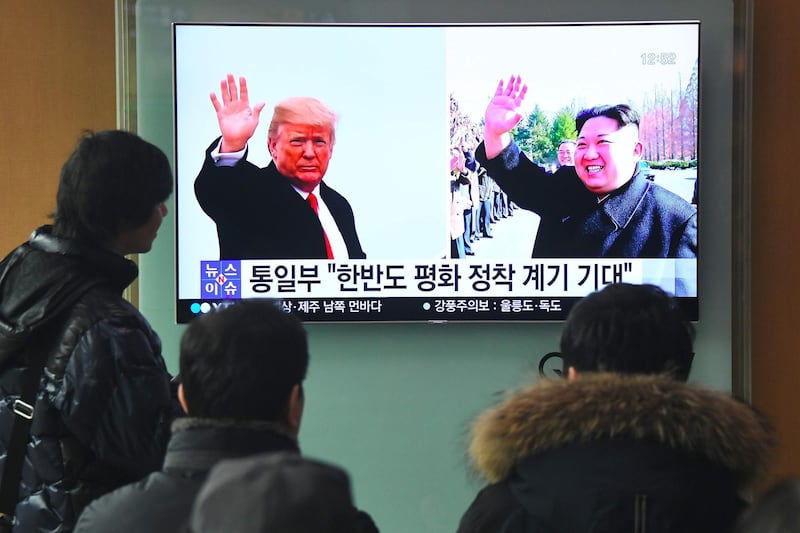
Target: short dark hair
point(621, 113)
point(110, 183)
point(242, 361)
point(630, 329)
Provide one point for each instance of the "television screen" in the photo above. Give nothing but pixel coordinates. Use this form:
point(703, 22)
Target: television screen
point(408, 217)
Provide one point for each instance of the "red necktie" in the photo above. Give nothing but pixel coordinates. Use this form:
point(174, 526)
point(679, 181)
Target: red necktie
point(315, 206)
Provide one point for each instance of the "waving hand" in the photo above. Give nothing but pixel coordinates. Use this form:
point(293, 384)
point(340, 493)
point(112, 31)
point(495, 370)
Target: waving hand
point(502, 114)
point(237, 120)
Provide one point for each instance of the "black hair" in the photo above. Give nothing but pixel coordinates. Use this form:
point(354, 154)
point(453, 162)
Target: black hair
point(630, 329)
point(621, 113)
point(242, 361)
point(110, 183)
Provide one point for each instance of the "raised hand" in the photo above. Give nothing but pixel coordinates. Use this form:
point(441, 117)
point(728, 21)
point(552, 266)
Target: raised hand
point(502, 114)
point(237, 120)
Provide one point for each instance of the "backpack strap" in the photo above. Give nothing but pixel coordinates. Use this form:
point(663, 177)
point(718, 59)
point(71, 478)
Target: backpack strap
point(30, 377)
point(18, 442)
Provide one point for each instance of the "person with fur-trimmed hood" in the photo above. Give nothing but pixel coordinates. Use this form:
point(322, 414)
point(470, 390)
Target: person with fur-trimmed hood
point(623, 444)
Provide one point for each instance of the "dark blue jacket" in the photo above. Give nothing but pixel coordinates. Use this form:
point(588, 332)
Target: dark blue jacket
point(640, 219)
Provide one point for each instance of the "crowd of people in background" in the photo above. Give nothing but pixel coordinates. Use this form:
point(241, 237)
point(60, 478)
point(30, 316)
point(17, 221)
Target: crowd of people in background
point(476, 201)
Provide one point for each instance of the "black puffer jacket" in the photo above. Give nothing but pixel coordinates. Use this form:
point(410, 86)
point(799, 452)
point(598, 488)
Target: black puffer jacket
point(105, 404)
point(612, 454)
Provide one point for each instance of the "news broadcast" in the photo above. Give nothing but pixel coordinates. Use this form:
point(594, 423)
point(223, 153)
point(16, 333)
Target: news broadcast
point(434, 173)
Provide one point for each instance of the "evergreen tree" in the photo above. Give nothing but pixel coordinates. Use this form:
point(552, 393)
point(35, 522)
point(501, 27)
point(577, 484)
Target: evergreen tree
point(532, 134)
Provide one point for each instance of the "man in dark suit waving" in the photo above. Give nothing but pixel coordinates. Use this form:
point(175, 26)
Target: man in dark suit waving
point(282, 211)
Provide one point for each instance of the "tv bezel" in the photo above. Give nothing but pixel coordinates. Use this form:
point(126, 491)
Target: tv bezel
point(402, 312)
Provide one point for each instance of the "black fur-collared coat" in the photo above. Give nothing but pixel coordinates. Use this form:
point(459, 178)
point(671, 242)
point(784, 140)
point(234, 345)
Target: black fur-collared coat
point(613, 454)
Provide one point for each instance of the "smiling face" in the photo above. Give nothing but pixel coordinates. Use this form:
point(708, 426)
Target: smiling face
point(606, 155)
point(566, 154)
point(301, 153)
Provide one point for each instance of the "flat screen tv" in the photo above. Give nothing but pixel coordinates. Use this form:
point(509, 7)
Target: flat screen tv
point(410, 105)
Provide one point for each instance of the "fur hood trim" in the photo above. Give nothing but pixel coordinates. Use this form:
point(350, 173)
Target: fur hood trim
point(554, 413)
